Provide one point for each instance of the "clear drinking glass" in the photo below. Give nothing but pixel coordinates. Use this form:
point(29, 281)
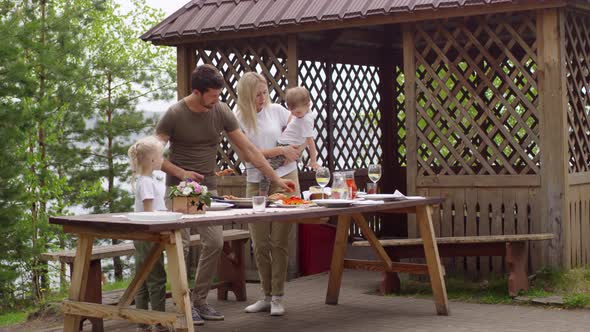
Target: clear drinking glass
point(322, 176)
point(371, 188)
point(374, 172)
point(258, 203)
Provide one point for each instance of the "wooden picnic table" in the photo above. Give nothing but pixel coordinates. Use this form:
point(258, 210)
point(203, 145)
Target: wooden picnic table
point(166, 235)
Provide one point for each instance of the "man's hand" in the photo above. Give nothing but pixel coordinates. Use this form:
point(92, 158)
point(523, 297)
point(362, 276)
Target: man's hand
point(191, 175)
point(288, 185)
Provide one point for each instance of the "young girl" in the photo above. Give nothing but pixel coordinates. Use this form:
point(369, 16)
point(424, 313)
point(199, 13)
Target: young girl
point(145, 156)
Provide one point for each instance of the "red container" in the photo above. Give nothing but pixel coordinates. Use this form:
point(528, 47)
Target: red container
point(315, 248)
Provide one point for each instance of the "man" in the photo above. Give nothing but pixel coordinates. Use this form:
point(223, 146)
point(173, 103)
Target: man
point(193, 127)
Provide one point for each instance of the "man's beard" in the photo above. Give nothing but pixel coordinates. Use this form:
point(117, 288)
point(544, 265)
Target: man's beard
point(207, 106)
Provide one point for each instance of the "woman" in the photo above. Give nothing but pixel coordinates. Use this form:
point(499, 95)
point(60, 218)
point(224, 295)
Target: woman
point(263, 122)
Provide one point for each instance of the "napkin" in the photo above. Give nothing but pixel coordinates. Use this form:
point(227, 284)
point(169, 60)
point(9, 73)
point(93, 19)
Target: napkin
point(397, 193)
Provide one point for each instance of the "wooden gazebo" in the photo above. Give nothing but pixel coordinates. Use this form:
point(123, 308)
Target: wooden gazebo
point(484, 102)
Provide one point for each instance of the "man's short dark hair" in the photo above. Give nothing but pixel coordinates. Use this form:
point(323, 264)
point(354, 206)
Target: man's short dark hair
point(206, 77)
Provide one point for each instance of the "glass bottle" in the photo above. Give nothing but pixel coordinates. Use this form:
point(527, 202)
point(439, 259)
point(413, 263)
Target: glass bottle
point(351, 183)
point(339, 186)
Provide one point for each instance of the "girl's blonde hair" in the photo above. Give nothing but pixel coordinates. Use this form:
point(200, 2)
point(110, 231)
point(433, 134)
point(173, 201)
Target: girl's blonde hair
point(246, 110)
point(140, 155)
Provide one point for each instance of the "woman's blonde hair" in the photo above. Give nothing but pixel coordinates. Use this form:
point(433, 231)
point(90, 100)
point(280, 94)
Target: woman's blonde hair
point(246, 110)
point(140, 155)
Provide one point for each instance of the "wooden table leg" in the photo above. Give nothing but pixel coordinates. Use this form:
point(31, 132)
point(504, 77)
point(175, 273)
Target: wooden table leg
point(79, 279)
point(337, 265)
point(179, 283)
point(437, 282)
point(94, 293)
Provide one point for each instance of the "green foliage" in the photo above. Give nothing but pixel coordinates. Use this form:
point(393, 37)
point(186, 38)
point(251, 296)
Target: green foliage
point(124, 70)
point(71, 76)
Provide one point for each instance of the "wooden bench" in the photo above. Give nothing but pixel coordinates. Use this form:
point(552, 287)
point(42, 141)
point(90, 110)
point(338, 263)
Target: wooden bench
point(231, 270)
point(513, 247)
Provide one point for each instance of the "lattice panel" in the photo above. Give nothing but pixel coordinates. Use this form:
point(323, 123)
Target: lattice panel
point(313, 76)
point(577, 45)
point(268, 58)
point(476, 96)
point(356, 115)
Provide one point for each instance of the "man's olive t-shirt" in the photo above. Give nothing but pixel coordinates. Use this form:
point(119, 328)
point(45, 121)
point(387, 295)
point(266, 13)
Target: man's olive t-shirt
point(194, 138)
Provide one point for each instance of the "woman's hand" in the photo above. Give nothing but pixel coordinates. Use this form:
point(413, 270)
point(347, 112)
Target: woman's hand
point(288, 185)
point(290, 152)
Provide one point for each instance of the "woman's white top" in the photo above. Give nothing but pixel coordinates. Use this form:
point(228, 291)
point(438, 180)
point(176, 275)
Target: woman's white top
point(146, 187)
point(270, 122)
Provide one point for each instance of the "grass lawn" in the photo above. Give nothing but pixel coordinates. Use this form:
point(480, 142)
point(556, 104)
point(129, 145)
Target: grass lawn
point(573, 286)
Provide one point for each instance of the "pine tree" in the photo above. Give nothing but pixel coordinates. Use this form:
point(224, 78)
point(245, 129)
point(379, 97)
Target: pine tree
point(124, 70)
point(53, 95)
point(12, 123)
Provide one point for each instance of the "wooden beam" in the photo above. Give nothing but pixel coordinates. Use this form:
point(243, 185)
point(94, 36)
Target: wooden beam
point(292, 61)
point(389, 18)
point(479, 181)
point(411, 119)
point(106, 234)
point(185, 64)
point(575, 179)
point(388, 121)
point(104, 311)
point(369, 265)
point(330, 122)
point(554, 134)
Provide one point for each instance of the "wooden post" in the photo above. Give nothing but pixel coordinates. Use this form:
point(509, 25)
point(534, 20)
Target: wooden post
point(554, 134)
point(330, 123)
point(292, 61)
point(386, 108)
point(411, 120)
point(185, 64)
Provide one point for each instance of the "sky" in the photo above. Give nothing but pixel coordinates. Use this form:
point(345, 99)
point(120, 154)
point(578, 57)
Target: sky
point(168, 6)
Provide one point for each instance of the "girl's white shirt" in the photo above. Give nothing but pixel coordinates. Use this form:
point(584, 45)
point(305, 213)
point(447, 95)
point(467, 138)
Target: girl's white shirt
point(270, 122)
point(146, 187)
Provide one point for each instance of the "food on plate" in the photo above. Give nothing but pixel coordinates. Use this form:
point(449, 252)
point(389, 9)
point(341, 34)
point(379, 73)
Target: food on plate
point(231, 197)
point(277, 196)
point(225, 172)
point(294, 200)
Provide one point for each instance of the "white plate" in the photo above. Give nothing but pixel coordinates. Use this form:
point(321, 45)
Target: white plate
point(280, 204)
point(333, 202)
point(218, 206)
point(383, 197)
point(154, 216)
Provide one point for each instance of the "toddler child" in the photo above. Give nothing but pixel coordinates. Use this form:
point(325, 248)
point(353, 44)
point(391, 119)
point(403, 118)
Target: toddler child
point(299, 131)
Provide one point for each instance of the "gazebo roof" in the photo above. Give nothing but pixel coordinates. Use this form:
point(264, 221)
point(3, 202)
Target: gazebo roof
point(219, 19)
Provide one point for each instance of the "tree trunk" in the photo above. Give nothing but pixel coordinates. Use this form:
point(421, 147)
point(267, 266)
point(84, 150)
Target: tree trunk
point(117, 263)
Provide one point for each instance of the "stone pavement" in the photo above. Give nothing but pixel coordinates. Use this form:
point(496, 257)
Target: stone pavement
point(360, 309)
